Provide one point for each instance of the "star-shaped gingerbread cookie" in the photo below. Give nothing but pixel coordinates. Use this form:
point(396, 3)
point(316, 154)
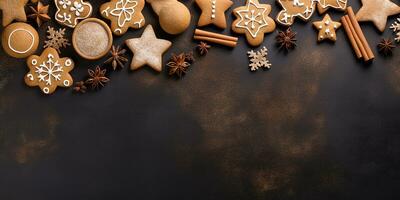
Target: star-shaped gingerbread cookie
point(49, 71)
point(213, 12)
point(148, 49)
point(377, 11)
point(327, 28)
point(253, 21)
point(13, 10)
point(123, 14)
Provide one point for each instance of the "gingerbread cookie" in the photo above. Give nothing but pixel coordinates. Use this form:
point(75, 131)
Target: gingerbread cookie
point(123, 14)
point(70, 11)
point(13, 10)
point(327, 28)
point(174, 16)
point(92, 39)
point(49, 71)
point(303, 9)
point(324, 5)
point(213, 12)
point(20, 40)
point(148, 49)
point(377, 11)
point(253, 21)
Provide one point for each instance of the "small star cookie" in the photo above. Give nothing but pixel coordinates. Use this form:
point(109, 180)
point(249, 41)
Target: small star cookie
point(70, 11)
point(253, 21)
point(327, 28)
point(49, 71)
point(123, 14)
point(13, 10)
point(213, 12)
point(377, 11)
point(303, 9)
point(148, 49)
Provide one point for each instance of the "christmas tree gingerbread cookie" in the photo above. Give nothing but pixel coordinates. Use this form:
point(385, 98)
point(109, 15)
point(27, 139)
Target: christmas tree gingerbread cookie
point(70, 11)
point(49, 71)
point(123, 14)
point(253, 21)
point(303, 9)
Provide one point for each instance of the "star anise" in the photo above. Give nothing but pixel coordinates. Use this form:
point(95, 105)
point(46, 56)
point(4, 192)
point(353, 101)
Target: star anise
point(97, 78)
point(40, 13)
point(203, 48)
point(117, 57)
point(178, 65)
point(80, 87)
point(189, 57)
point(386, 46)
point(286, 39)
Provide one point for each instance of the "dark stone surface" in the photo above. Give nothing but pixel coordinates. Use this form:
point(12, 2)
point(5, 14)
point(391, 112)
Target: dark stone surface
point(318, 125)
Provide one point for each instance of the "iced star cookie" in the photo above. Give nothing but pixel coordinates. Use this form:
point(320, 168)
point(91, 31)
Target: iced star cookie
point(324, 5)
point(48, 71)
point(213, 12)
point(70, 11)
point(377, 11)
point(327, 28)
point(253, 21)
point(123, 14)
point(20, 40)
point(303, 9)
point(13, 10)
point(148, 50)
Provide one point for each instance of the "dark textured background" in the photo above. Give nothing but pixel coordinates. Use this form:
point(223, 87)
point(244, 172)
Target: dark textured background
point(319, 125)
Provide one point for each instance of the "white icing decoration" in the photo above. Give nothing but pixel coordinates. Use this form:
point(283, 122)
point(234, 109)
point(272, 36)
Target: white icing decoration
point(68, 62)
point(118, 30)
point(297, 3)
point(49, 70)
point(105, 11)
point(66, 83)
point(46, 90)
point(213, 2)
point(139, 23)
point(34, 61)
point(76, 7)
point(252, 19)
point(30, 76)
point(123, 12)
point(308, 11)
point(12, 33)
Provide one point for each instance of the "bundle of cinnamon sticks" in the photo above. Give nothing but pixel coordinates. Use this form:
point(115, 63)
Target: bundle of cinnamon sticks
point(356, 36)
point(215, 38)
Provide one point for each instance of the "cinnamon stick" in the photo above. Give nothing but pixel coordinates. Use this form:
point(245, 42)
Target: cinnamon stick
point(350, 35)
point(216, 40)
point(215, 35)
point(360, 33)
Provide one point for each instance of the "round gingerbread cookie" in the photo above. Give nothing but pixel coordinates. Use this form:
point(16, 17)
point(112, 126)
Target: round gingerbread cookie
point(92, 39)
point(70, 11)
point(123, 14)
point(20, 40)
point(48, 71)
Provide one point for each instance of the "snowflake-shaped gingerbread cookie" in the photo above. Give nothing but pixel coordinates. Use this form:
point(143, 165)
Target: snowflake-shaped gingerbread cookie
point(123, 14)
point(258, 59)
point(303, 9)
point(253, 21)
point(49, 71)
point(70, 11)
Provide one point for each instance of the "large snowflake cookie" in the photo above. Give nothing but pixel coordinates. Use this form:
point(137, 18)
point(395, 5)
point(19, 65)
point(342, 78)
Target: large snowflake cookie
point(70, 11)
point(49, 71)
point(123, 14)
point(303, 9)
point(253, 21)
